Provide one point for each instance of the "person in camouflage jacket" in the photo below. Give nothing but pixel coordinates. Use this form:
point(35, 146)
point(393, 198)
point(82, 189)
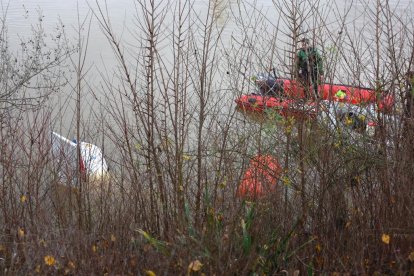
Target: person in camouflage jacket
point(309, 68)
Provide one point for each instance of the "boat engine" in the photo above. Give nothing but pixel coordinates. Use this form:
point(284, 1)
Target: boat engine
point(269, 85)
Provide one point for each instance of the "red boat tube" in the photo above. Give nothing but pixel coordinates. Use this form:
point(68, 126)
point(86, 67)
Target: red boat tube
point(331, 92)
point(337, 92)
point(285, 107)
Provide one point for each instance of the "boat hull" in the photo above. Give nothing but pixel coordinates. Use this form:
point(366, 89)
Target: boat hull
point(293, 90)
point(284, 107)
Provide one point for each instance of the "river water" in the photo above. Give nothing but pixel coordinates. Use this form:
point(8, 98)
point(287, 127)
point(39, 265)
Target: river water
point(22, 15)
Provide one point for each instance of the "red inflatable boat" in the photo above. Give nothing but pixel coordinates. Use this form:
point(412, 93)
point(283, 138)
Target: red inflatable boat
point(342, 93)
point(293, 90)
point(285, 107)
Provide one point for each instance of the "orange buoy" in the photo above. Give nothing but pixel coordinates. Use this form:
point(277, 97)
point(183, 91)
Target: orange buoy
point(260, 177)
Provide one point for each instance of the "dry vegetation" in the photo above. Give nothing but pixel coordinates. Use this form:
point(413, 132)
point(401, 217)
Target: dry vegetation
point(178, 149)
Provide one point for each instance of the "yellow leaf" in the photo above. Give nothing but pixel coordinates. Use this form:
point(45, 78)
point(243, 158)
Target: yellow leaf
point(362, 117)
point(349, 121)
point(318, 248)
point(150, 273)
point(71, 265)
point(357, 179)
point(145, 234)
point(37, 269)
point(286, 180)
point(195, 266)
point(23, 199)
point(186, 157)
point(113, 238)
point(42, 242)
point(21, 232)
point(385, 238)
point(94, 248)
point(288, 129)
point(49, 260)
point(411, 256)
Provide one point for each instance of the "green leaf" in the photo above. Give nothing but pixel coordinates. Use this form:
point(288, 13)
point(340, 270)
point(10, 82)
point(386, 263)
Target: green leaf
point(247, 239)
point(160, 246)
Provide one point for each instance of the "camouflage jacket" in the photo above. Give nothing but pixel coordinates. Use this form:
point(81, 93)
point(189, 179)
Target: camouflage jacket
point(309, 57)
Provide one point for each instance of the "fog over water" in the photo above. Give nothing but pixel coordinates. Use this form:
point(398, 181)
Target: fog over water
point(21, 15)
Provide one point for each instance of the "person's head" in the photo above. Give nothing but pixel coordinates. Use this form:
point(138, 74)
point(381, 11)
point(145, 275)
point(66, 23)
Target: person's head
point(305, 42)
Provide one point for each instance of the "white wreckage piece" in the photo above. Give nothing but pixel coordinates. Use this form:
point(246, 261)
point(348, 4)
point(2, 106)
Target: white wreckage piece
point(92, 163)
point(354, 117)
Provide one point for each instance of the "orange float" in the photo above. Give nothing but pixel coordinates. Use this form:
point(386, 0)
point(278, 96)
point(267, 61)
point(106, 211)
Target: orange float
point(260, 177)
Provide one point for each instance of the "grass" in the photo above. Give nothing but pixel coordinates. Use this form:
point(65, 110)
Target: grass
point(342, 205)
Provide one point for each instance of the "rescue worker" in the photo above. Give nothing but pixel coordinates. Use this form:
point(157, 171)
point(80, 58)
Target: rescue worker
point(309, 69)
point(409, 99)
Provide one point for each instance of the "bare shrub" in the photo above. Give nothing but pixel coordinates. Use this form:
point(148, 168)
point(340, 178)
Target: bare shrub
point(178, 150)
